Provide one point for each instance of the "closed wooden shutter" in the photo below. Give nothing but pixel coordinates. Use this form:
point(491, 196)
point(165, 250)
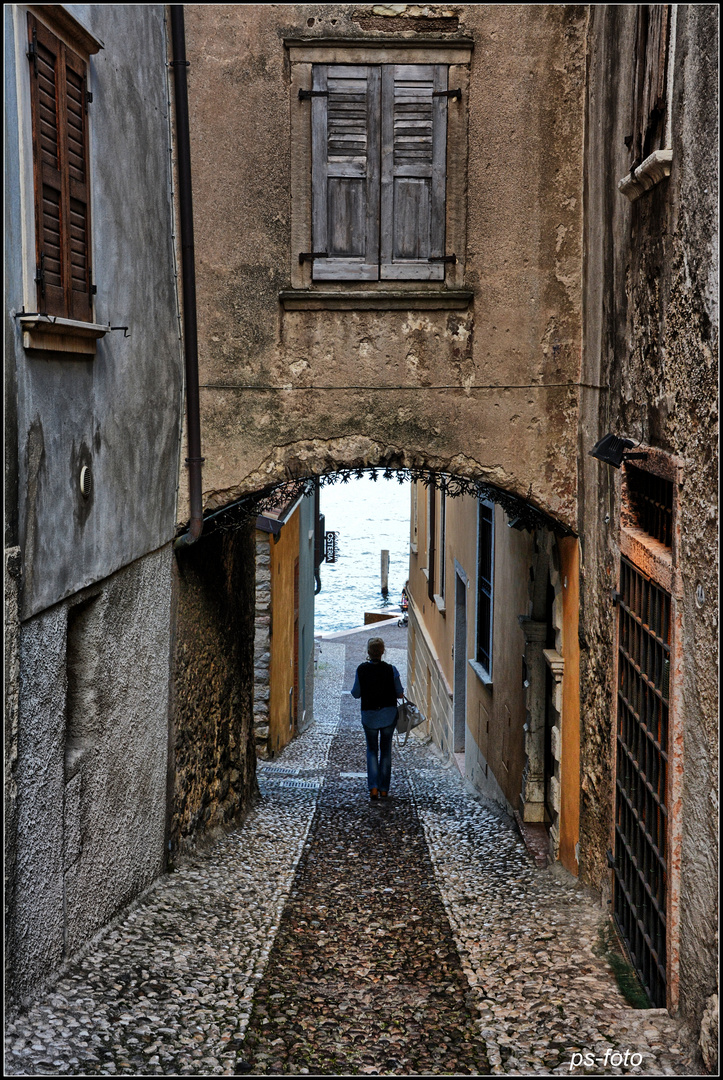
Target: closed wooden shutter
point(414, 145)
point(345, 172)
point(651, 57)
point(78, 217)
point(46, 78)
point(60, 145)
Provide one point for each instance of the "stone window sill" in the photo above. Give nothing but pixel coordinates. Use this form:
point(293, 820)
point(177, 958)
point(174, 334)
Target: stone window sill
point(413, 548)
point(380, 300)
point(654, 169)
point(650, 556)
point(439, 601)
point(53, 334)
point(484, 677)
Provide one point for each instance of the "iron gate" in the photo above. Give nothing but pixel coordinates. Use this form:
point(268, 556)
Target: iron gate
point(641, 817)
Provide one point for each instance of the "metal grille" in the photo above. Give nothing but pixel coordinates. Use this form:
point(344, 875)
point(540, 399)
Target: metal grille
point(641, 818)
point(650, 498)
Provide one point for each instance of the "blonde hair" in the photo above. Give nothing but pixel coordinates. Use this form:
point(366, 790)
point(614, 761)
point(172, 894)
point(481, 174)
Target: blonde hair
point(375, 648)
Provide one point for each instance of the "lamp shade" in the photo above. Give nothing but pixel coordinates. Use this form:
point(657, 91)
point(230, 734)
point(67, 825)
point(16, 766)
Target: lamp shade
point(611, 449)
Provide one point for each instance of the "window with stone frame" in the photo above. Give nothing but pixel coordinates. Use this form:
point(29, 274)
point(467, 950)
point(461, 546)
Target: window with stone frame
point(379, 150)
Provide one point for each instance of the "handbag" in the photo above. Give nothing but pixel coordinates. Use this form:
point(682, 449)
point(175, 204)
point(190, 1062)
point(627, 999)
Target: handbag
point(408, 717)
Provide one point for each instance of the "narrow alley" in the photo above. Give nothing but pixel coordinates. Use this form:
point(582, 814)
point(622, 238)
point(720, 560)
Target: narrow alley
point(334, 936)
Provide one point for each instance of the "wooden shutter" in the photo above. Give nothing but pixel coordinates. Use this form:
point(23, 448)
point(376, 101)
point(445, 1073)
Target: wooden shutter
point(60, 158)
point(651, 55)
point(46, 79)
point(414, 145)
point(345, 172)
point(78, 216)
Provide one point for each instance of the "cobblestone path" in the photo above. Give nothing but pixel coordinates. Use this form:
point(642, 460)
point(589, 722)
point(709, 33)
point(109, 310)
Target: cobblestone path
point(364, 976)
point(334, 936)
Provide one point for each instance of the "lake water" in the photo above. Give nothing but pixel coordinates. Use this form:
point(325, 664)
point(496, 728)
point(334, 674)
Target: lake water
point(369, 515)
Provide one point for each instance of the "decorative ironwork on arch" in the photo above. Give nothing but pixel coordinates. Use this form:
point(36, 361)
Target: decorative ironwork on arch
point(521, 513)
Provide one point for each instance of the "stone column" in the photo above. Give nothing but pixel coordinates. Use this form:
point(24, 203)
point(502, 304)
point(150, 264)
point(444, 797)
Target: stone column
point(556, 664)
point(532, 796)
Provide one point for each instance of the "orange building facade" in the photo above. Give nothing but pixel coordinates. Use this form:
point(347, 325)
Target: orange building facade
point(284, 624)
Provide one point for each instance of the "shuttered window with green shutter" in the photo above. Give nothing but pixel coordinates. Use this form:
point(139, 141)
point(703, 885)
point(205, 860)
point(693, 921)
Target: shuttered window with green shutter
point(60, 158)
point(379, 135)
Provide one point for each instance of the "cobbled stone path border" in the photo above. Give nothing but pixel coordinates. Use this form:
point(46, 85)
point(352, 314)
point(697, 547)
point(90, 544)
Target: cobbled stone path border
point(178, 985)
point(364, 977)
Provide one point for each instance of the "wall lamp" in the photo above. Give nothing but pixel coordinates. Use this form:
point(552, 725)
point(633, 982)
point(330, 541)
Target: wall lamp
point(614, 451)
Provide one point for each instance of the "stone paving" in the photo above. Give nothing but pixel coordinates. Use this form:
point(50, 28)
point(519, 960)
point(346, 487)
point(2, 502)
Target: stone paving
point(331, 935)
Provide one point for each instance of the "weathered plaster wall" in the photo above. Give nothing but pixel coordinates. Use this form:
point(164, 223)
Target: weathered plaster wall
point(93, 576)
point(523, 260)
point(120, 410)
point(213, 765)
point(91, 769)
point(652, 336)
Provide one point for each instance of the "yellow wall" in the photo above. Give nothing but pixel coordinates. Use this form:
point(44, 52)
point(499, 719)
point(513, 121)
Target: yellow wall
point(284, 553)
point(495, 745)
point(496, 714)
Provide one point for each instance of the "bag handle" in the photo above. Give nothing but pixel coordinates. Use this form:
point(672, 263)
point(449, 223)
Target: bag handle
point(401, 744)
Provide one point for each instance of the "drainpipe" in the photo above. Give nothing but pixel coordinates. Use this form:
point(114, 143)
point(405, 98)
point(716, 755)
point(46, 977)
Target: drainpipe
point(188, 275)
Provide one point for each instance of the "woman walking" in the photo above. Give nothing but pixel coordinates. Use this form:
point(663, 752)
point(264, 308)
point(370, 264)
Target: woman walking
point(378, 685)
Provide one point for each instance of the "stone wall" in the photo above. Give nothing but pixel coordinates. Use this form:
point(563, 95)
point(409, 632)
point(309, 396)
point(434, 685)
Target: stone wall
point(262, 643)
point(428, 687)
point(91, 764)
point(213, 759)
point(651, 340)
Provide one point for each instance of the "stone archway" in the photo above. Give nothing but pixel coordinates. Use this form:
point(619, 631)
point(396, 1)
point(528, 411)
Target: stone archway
point(232, 514)
point(302, 464)
point(304, 460)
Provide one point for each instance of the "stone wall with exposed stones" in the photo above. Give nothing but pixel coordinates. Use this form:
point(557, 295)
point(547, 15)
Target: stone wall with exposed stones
point(212, 754)
point(262, 643)
point(651, 343)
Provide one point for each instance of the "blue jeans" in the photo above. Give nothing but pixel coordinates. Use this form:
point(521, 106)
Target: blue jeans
point(379, 756)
